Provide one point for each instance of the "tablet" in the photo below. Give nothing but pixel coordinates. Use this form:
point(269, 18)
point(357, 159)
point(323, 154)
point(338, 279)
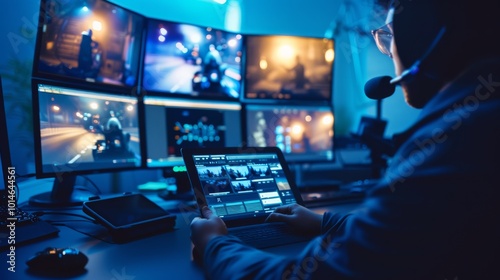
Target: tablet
point(241, 185)
point(129, 216)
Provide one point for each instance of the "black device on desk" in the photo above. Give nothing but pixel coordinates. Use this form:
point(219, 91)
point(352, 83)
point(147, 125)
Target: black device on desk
point(371, 133)
point(129, 216)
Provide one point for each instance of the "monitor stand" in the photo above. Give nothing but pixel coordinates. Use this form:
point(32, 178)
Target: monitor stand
point(63, 194)
point(183, 190)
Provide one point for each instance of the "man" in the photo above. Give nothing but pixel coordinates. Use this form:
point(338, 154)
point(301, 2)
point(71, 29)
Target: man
point(299, 73)
point(85, 59)
point(434, 214)
point(212, 61)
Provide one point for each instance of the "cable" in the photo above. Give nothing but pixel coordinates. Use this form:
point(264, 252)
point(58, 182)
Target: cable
point(18, 192)
point(92, 183)
point(85, 233)
point(29, 175)
point(16, 186)
point(41, 213)
point(54, 222)
point(339, 157)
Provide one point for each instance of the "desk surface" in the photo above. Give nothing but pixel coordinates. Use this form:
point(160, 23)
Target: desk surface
point(166, 255)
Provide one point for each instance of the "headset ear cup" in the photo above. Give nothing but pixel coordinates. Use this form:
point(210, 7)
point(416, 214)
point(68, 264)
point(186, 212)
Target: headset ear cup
point(415, 24)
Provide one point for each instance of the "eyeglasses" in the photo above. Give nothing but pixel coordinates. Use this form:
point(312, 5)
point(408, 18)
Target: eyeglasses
point(383, 38)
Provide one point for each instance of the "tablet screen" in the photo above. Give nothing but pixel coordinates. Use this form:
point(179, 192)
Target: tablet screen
point(240, 185)
point(126, 210)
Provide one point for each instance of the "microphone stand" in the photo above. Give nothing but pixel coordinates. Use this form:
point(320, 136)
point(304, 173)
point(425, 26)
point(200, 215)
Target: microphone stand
point(379, 109)
point(379, 88)
point(378, 145)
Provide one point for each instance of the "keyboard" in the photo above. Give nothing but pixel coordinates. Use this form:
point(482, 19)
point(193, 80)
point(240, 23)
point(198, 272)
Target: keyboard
point(28, 227)
point(267, 235)
point(21, 216)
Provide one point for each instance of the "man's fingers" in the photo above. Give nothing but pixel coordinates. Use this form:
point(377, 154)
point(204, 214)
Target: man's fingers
point(278, 217)
point(194, 221)
point(286, 209)
point(207, 213)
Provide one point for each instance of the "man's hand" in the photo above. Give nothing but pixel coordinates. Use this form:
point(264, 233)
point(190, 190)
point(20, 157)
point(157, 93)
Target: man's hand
point(205, 228)
point(299, 217)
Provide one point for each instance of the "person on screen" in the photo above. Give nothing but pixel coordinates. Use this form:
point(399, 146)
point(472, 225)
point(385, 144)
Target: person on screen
point(299, 71)
point(85, 59)
point(259, 133)
point(212, 62)
point(434, 213)
point(116, 138)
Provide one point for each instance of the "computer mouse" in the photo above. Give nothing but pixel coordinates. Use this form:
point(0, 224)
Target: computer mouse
point(58, 261)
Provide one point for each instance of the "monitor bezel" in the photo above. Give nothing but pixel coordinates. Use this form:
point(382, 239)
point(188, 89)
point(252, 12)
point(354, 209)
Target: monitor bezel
point(245, 99)
point(39, 166)
point(178, 163)
point(5, 154)
point(120, 88)
point(192, 95)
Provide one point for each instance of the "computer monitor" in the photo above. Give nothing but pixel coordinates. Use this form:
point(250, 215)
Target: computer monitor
point(89, 41)
point(171, 124)
point(81, 131)
point(303, 132)
point(189, 60)
point(4, 176)
point(7, 184)
point(288, 67)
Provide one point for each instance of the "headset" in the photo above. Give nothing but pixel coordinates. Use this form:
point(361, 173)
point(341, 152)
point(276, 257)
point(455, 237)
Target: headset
point(415, 68)
point(384, 86)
